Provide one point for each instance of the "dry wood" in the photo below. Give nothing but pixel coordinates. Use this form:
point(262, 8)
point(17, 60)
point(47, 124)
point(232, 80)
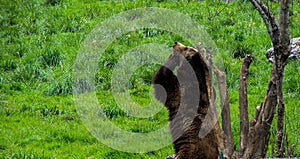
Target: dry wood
point(258, 135)
point(244, 120)
point(226, 121)
point(257, 112)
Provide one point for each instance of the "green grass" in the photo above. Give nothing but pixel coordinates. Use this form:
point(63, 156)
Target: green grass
point(39, 41)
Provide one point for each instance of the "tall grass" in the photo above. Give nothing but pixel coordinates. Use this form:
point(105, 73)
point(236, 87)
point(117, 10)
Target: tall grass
point(39, 41)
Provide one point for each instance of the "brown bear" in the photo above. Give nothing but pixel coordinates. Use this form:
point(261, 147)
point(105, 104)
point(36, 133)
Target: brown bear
point(185, 94)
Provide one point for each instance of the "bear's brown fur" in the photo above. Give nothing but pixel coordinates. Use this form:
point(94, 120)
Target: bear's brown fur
point(187, 145)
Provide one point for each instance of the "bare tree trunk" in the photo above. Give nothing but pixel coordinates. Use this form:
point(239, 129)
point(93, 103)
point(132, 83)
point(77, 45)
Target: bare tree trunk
point(280, 61)
point(260, 129)
point(258, 135)
point(244, 121)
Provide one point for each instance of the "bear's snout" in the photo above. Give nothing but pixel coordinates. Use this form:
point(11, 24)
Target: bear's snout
point(178, 46)
point(175, 44)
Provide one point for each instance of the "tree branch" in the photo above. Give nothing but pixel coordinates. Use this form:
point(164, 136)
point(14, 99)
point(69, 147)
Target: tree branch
point(268, 19)
point(270, 16)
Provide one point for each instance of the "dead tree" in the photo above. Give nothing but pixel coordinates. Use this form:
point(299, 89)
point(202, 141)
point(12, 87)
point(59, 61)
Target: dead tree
point(260, 130)
point(254, 137)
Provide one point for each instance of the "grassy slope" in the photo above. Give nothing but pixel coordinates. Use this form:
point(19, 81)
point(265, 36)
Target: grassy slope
point(39, 43)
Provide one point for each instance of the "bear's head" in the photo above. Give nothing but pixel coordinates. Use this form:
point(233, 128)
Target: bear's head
point(183, 50)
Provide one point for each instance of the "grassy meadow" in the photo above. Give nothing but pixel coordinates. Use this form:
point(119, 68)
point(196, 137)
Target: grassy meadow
point(40, 39)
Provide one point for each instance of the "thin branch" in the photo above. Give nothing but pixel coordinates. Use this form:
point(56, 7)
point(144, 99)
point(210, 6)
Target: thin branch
point(270, 16)
point(268, 19)
point(263, 15)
